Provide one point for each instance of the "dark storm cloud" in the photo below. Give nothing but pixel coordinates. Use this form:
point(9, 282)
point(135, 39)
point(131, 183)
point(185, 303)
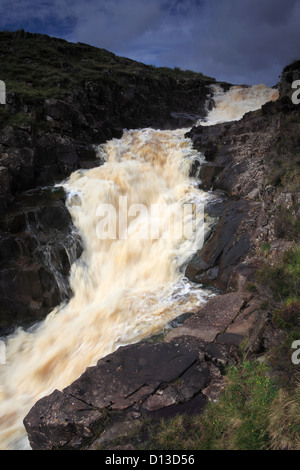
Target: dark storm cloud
point(241, 41)
point(249, 40)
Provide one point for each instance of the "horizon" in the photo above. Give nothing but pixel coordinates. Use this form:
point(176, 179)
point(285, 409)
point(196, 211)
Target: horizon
point(247, 42)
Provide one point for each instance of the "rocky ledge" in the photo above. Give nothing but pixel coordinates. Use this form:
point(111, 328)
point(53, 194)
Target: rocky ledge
point(62, 101)
point(184, 371)
point(149, 380)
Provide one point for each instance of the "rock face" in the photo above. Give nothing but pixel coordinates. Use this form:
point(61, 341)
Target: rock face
point(37, 248)
point(249, 160)
point(183, 372)
point(134, 382)
point(147, 380)
point(227, 245)
point(49, 128)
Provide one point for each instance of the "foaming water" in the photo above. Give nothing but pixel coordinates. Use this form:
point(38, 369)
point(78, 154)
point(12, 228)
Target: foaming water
point(235, 103)
point(125, 289)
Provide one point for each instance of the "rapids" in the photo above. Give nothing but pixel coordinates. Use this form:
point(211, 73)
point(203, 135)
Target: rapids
point(127, 284)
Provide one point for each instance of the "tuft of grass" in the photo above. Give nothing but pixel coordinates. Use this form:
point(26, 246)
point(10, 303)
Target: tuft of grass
point(284, 420)
point(36, 67)
point(265, 248)
point(239, 420)
point(287, 319)
point(251, 287)
point(283, 279)
point(287, 223)
point(16, 119)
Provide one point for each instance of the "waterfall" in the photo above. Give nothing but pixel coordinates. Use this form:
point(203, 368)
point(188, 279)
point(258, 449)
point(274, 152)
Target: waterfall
point(236, 102)
point(127, 284)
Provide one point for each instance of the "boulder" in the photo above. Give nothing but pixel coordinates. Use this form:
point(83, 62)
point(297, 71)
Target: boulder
point(5, 191)
point(227, 246)
point(136, 380)
point(212, 319)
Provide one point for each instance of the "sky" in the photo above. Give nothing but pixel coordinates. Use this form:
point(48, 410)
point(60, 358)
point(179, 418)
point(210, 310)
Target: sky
point(238, 41)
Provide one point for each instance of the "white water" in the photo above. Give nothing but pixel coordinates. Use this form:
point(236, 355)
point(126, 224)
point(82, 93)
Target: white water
point(239, 100)
point(125, 289)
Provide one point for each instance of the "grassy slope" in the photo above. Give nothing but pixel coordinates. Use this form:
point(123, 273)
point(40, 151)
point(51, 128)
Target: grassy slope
point(37, 67)
point(260, 406)
point(252, 413)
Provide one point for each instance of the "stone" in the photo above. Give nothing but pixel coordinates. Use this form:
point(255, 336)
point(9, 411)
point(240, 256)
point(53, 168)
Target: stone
point(140, 378)
point(66, 423)
point(243, 325)
point(216, 385)
point(225, 248)
point(5, 190)
point(213, 318)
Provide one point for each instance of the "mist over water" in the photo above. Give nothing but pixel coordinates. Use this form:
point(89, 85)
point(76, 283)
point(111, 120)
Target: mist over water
point(124, 289)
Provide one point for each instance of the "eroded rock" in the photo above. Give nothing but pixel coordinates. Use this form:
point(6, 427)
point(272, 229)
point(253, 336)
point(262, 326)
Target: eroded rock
point(213, 318)
point(140, 378)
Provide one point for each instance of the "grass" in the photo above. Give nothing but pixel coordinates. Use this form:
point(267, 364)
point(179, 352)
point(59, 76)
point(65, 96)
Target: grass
point(284, 160)
point(252, 413)
point(284, 420)
point(38, 67)
point(265, 248)
point(16, 119)
point(287, 223)
point(283, 278)
point(239, 420)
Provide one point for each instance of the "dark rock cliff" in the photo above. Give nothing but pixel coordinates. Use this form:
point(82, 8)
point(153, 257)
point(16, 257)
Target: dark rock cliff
point(255, 163)
point(63, 99)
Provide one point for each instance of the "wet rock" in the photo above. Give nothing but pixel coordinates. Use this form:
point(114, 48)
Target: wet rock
point(208, 175)
point(9, 249)
point(144, 378)
point(61, 421)
point(5, 192)
point(213, 318)
point(226, 247)
point(36, 254)
point(27, 293)
point(132, 373)
point(55, 217)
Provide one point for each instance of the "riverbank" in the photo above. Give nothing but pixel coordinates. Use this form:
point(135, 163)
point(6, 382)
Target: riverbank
point(253, 164)
point(243, 325)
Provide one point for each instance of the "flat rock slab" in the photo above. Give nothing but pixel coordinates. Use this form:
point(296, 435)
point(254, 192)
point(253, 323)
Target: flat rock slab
point(143, 377)
point(246, 321)
point(214, 318)
point(60, 421)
